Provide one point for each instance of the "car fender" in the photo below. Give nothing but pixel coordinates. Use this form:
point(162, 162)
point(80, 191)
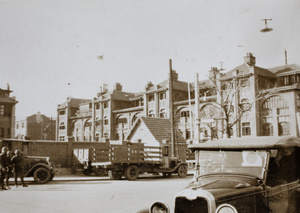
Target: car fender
point(30, 172)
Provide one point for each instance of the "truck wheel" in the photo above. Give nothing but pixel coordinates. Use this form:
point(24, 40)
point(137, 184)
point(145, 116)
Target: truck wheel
point(182, 171)
point(132, 172)
point(114, 175)
point(86, 172)
point(42, 175)
point(99, 171)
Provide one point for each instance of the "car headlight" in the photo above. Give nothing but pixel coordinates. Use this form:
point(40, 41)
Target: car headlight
point(226, 208)
point(159, 207)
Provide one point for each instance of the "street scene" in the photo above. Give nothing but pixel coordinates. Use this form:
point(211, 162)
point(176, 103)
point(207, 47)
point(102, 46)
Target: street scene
point(145, 106)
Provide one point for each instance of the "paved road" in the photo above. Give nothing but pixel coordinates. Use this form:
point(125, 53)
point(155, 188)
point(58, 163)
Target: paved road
point(91, 194)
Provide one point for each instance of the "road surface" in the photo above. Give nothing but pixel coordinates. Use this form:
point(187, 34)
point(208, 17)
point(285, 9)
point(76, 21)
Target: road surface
point(91, 194)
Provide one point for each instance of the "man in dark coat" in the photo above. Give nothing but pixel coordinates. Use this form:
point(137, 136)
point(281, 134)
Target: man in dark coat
point(3, 165)
point(9, 168)
point(17, 161)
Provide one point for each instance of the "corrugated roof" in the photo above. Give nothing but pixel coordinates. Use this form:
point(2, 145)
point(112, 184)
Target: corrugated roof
point(249, 143)
point(160, 128)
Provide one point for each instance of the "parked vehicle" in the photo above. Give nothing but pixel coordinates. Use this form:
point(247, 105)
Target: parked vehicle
point(39, 168)
point(129, 160)
point(242, 175)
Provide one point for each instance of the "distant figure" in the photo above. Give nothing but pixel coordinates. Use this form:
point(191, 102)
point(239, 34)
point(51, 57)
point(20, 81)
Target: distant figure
point(9, 168)
point(3, 164)
point(17, 161)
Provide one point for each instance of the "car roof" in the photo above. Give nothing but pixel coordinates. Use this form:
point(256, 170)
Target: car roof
point(248, 143)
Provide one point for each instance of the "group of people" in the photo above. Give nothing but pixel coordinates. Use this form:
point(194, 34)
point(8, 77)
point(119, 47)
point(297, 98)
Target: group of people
point(10, 163)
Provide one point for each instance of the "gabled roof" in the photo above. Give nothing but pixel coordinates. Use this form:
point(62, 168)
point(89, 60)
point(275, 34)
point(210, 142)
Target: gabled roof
point(74, 102)
point(249, 143)
point(244, 70)
point(177, 85)
point(160, 128)
point(285, 69)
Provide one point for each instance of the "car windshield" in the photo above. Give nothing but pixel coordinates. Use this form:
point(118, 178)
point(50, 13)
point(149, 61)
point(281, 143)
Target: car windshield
point(251, 162)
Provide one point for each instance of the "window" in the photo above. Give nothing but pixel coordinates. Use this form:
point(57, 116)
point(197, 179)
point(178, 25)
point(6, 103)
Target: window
point(151, 114)
point(23, 124)
point(162, 96)
point(17, 126)
point(246, 129)
point(62, 112)
point(185, 114)
point(8, 132)
point(97, 106)
point(187, 134)
point(105, 105)
point(245, 104)
point(105, 120)
point(151, 97)
point(284, 129)
point(162, 113)
point(61, 138)
point(1, 109)
point(122, 121)
point(62, 126)
point(244, 82)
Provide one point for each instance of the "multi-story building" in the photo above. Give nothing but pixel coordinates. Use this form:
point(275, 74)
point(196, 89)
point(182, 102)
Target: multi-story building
point(243, 102)
point(36, 127)
point(7, 113)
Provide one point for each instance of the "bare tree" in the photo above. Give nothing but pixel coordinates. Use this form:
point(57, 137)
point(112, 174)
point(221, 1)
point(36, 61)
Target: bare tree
point(229, 108)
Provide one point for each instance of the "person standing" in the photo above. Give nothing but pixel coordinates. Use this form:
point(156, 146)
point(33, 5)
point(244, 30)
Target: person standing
point(17, 161)
point(9, 168)
point(3, 164)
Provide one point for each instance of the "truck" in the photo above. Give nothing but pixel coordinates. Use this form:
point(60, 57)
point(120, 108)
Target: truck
point(130, 159)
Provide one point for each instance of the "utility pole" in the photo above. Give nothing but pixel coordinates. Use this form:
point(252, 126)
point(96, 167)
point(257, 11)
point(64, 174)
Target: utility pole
point(171, 110)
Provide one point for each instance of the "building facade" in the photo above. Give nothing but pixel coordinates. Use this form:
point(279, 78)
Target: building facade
point(7, 113)
point(246, 101)
point(36, 127)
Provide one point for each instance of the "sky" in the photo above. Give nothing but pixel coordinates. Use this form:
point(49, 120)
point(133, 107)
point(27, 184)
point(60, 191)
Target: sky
point(49, 49)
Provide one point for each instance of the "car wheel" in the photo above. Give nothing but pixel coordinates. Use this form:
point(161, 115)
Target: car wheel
point(182, 171)
point(99, 171)
point(114, 175)
point(42, 175)
point(132, 172)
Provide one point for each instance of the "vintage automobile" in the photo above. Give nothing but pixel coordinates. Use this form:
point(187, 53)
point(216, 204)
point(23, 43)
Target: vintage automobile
point(39, 168)
point(241, 175)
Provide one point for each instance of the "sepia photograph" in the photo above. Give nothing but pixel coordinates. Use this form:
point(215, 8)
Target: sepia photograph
point(149, 106)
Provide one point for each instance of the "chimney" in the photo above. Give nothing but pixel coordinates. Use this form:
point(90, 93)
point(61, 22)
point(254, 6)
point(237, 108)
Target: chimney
point(213, 72)
point(249, 59)
point(174, 75)
point(148, 85)
point(118, 87)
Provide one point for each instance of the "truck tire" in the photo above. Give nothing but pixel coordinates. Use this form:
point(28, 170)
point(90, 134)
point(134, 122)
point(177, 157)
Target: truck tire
point(100, 171)
point(42, 175)
point(182, 171)
point(86, 172)
point(132, 172)
point(114, 175)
